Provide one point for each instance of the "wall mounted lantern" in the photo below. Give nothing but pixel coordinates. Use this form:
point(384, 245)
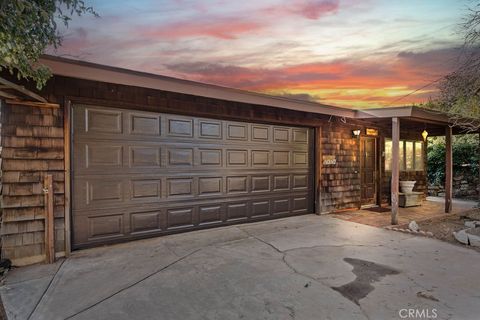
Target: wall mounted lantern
point(425, 135)
point(356, 133)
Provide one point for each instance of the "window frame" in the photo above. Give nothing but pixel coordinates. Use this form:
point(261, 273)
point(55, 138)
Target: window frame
point(403, 157)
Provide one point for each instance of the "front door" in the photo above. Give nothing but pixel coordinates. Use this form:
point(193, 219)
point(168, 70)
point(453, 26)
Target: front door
point(368, 170)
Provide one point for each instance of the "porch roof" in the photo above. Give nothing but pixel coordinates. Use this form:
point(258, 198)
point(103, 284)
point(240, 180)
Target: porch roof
point(412, 117)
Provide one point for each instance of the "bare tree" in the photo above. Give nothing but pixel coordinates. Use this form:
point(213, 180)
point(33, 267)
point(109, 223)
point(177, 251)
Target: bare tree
point(460, 90)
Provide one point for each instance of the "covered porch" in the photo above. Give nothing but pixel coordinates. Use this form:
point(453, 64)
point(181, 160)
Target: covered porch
point(420, 123)
point(431, 208)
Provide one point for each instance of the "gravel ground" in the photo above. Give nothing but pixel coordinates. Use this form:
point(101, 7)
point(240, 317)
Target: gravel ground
point(443, 227)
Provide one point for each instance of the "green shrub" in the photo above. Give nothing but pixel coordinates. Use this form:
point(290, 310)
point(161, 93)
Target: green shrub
point(465, 157)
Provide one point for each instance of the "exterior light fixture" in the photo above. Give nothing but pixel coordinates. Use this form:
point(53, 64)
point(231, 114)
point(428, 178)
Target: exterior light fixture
point(425, 134)
point(356, 133)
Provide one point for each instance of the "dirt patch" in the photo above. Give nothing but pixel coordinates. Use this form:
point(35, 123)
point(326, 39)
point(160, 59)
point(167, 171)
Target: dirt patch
point(367, 273)
point(443, 227)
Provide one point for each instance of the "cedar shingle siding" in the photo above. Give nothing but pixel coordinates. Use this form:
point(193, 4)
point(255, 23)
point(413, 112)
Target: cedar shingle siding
point(32, 146)
point(340, 182)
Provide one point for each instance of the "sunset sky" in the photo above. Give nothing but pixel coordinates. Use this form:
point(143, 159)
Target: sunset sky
point(349, 53)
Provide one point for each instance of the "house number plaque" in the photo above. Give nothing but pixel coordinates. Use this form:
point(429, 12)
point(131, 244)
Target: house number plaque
point(329, 160)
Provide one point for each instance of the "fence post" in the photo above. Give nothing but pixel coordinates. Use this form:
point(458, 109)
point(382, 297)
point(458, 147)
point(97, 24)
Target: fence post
point(49, 219)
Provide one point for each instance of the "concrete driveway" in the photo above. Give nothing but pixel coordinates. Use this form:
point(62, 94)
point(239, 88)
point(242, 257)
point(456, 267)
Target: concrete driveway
point(306, 267)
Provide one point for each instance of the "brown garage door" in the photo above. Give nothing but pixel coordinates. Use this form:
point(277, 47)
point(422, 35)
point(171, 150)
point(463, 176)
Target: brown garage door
point(138, 174)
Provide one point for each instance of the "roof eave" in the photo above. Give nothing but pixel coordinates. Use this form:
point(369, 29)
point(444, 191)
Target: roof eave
point(96, 72)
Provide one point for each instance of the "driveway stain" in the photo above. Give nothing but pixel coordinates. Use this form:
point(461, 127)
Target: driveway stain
point(366, 273)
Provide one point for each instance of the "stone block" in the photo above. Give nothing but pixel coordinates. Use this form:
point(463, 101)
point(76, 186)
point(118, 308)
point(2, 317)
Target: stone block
point(461, 236)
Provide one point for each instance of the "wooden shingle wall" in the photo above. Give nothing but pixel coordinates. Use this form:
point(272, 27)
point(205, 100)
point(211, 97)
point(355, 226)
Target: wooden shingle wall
point(32, 146)
point(340, 185)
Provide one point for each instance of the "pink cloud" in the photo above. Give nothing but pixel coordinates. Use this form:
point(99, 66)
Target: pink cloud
point(222, 28)
point(314, 9)
point(309, 9)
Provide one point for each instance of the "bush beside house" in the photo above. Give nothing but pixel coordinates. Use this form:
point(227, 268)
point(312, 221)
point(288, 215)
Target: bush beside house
point(466, 181)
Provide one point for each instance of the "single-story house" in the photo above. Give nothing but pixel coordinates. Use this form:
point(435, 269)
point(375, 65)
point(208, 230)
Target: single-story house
point(137, 155)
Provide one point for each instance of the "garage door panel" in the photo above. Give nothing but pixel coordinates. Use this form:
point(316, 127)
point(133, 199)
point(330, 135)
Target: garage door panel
point(210, 214)
point(146, 189)
point(146, 222)
point(210, 186)
point(102, 156)
point(281, 158)
point(101, 191)
point(300, 135)
point(180, 218)
point(103, 121)
point(237, 157)
point(180, 187)
point(260, 183)
point(97, 193)
point(237, 131)
point(144, 124)
point(137, 174)
point(179, 127)
point(210, 157)
point(210, 130)
point(281, 135)
point(150, 220)
point(281, 206)
point(237, 211)
point(98, 228)
point(180, 156)
point(260, 158)
point(300, 204)
point(261, 209)
point(237, 184)
point(144, 156)
point(261, 133)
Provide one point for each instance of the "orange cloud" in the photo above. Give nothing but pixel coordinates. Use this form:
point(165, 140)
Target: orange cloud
point(341, 82)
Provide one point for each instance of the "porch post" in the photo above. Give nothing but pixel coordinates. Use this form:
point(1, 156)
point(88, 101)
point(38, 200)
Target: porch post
point(318, 170)
point(448, 170)
point(395, 167)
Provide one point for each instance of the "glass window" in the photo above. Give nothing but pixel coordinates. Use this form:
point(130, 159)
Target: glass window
point(409, 156)
point(402, 156)
point(388, 155)
point(418, 155)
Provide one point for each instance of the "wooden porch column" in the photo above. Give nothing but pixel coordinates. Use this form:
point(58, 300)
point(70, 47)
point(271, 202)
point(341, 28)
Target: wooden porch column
point(318, 170)
point(448, 170)
point(395, 167)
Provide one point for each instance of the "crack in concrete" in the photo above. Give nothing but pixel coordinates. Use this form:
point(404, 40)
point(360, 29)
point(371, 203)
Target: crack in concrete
point(292, 268)
point(428, 290)
point(28, 280)
point(46, 289)
point(132, 284)
point(333, 246)
point(309, 247)
point(170, 249)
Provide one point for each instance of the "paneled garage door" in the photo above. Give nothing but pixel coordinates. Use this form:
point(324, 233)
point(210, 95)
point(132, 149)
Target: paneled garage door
point(139, 174)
